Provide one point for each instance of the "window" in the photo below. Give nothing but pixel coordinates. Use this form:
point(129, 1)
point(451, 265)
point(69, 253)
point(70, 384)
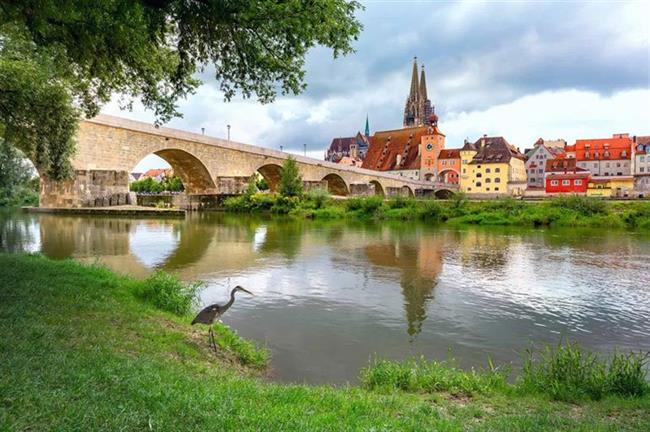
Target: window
point(478, 184)
point(618, 164)
point(464, 171)
point(607, 165)
point(641, 158)
point(487, 189)
point(554, 182)
point(566, 182)
point(641, 169)
point(595, 165)
point(577, 182)
point(496, 188)
point(487, 180)
point(496, 170)
point(540, 171)
point(479, 175)
point(487, 170)
point(497, 180)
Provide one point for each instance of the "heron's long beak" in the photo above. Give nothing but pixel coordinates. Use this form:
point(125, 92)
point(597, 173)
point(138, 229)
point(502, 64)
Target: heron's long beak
point(246, 291)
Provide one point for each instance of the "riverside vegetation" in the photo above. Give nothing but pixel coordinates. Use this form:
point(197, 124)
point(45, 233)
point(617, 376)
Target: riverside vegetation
point(85, 349)
point(564, 211)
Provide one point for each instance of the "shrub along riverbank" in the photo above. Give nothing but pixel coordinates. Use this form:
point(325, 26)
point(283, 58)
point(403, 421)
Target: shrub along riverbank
point(566, 211)
point(84, 349)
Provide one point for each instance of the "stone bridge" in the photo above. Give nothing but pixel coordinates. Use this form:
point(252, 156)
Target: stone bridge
point(109, 148)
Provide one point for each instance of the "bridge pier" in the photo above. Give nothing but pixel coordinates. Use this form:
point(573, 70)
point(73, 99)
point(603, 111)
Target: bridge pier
point(87, 188)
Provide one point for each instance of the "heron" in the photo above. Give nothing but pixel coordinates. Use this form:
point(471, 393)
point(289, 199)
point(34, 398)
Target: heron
point(213, 312)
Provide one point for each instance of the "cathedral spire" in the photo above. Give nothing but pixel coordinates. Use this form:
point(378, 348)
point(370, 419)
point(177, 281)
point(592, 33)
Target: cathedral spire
point(423, 86)
point(414, 80)
point(367, 127)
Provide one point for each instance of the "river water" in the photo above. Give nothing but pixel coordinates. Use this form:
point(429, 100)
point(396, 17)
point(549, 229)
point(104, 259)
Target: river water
point(332, 295)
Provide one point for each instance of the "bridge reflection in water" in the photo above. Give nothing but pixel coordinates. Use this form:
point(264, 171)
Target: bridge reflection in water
point(332, 294)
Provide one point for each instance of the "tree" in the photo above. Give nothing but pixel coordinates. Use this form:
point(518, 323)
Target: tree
point(63, 59)
point(290, 180)
point(16, 185)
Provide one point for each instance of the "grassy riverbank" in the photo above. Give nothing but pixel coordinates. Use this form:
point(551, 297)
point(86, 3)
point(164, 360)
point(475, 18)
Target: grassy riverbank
point(569, 211)
point(84, 349)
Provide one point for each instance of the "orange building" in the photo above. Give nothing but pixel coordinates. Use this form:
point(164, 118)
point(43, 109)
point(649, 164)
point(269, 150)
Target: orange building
point(603, 156)
point(449, 165)
point(409, 152)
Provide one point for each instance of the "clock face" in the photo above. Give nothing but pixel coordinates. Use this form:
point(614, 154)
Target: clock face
point(429, 146)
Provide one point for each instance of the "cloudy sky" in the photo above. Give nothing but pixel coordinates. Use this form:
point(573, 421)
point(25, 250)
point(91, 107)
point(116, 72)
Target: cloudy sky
point(522, 70)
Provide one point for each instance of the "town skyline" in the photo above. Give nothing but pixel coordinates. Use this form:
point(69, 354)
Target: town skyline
point(526, 76)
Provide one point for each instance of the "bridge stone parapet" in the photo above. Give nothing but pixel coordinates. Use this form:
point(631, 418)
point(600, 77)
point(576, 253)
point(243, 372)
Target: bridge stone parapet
point(108, 148)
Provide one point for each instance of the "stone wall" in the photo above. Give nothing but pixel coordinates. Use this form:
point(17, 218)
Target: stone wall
point(87, 188)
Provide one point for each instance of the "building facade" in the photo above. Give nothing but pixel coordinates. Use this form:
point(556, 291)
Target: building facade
point(408, 152)
point(641, 164)
point(536, 161)
point(562, 176)
point(603, 156)
point(495, 168)
point(449, 166)
point(354, 148)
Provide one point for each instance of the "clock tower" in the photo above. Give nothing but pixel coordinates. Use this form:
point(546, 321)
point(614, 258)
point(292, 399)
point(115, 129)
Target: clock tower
point(430, 146)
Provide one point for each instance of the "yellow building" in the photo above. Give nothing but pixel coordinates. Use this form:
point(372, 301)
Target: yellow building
point(608, 187)
point(491, 167)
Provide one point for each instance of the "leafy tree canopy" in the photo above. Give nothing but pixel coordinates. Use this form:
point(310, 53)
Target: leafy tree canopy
point(62, 59)
point(17, 185)
point(290, 180)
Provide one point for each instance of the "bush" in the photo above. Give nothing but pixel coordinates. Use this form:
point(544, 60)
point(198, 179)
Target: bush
point(583, 205)
point(400, 201)
point(166, 292)
point(568, 373)
point(285, 204)
point(368, 206)
point(430, 376)
point(318, 197)
point(431, 210)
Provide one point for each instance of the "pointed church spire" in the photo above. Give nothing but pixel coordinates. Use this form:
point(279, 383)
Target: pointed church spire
point(423, 86)
point(367, 127)
point(414, 80)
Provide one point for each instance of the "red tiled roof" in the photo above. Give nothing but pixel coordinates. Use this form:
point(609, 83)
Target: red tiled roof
point(342, 144)
point(386, 145)
point(155, 172)
point(562, 165)
point(569, 175)
point(449, 154)
point(603, 148)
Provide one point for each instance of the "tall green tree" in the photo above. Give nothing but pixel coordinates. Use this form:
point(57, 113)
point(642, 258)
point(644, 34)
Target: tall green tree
point(63, 59)
point(290, 181)
point(16, 185)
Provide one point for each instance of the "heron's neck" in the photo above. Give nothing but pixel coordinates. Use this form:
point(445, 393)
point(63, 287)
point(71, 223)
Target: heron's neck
point(232, 298)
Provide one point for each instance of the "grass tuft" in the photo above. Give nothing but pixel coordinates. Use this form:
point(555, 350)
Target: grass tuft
point(569, 373)
point(420, 375)
point(246, 351)
point(167, 293)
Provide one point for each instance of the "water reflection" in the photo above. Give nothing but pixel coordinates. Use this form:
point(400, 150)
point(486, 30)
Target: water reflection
point(332, 294)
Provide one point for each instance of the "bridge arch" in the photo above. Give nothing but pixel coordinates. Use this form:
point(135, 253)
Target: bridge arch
point(444, 193)
point(448, 175)
point(336, 185)
point(193, 173)
point(379, 189)
point(272, 174)
point(407, 191)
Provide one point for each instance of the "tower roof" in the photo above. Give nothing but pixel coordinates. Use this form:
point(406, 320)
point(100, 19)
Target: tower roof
point(423, 86)
point(414, 80)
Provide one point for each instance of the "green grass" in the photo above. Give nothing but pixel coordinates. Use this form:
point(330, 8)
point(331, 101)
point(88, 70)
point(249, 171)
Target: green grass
point(565, 211)
point(81, 351)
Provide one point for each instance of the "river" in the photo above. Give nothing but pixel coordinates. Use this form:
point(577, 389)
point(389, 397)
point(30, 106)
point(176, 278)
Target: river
point(330, 296)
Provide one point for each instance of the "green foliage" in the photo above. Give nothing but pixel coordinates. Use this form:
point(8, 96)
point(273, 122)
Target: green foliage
point(262, 184)
point(250, 203)
point(365, 206)
point(17, 186)
point(584, 205)
point(56, 57)
point(251, 188)
point(430, 376)
point(151, 186)
point(167, 293)
point(290, 180)
point(245, 351)
point(568, 373)
point(318, 198)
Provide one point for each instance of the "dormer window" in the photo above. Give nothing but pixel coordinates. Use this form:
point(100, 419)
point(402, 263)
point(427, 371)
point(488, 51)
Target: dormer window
point(624, 153)
point(586, 155)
